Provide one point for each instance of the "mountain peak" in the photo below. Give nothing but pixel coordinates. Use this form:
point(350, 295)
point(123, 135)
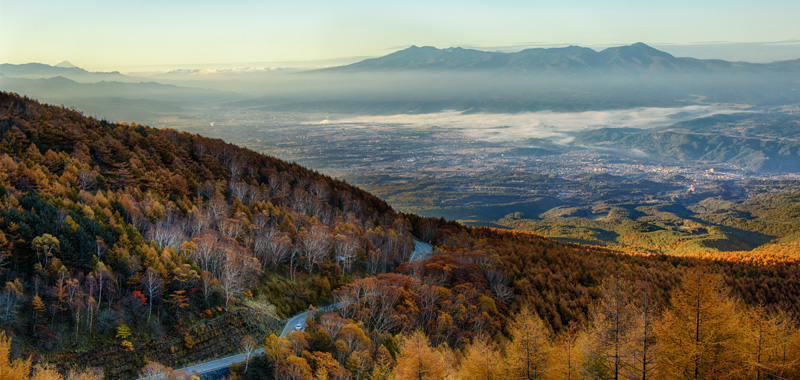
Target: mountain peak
point(641, 46)
point(637, 58)
point(66, 64)
point(639, 52)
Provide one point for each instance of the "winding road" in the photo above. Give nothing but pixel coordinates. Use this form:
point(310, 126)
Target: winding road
point(216, 368)
point(421, 251)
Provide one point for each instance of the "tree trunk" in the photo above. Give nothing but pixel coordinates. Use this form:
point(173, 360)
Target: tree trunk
point(8, 306)
point(697, 340)
point(77, 321)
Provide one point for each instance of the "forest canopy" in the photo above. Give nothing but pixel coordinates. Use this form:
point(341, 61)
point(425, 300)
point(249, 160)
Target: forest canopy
point(123, 245)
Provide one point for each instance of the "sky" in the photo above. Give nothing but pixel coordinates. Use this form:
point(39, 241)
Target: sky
point(125, 35)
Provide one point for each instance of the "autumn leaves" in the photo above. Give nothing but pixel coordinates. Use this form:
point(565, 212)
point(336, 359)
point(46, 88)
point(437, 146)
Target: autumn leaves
point(703, 333)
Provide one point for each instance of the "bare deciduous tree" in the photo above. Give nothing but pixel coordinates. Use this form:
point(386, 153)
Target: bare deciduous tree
point(86, 179)
point(166, 235)
point(249, 347)
point(231, 228)
point(237, 274)
point(207, 253)
point(316, 244)
point(273, 251)
point(153, 285)
point(207, 283)
point(346, 247)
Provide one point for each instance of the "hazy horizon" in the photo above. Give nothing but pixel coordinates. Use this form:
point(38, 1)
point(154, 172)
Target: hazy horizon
point(103, 36)
point(754, 52)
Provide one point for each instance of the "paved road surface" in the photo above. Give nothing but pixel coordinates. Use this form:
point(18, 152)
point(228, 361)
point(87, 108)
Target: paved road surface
point(300, 319)
point(421, 251)
point(210, 369)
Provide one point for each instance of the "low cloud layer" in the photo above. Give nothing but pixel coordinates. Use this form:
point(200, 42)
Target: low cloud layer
point(546, 125)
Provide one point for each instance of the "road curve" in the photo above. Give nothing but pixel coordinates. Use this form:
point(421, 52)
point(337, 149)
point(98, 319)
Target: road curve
point(300, 319)
point(421, 251)
point(207, 369)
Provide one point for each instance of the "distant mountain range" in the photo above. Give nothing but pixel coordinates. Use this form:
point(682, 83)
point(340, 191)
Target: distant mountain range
point(109, 95)
point(63, 87)
point(636, 58)
point(427, 80)
point(63, 69)
point(145, 101)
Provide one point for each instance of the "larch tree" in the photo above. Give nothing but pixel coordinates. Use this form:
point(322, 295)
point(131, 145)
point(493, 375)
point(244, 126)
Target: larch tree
point(21, 369)
point(59, 292)
point(642, 338)
point(482, 361)
point(359, 364)
point(701, 336)
point(293, 368)
point(382, 369)
point(527, 353)
point(276, 348)
point(38, 305)
point(323, 365)
point(185, 276)
point(613, 323)
point(299, 341)
point(418, 360)
point(768, 341)
point(565, 359)
point(11, 370)
point(791, 354)
point(353, 337)
point(179, 300)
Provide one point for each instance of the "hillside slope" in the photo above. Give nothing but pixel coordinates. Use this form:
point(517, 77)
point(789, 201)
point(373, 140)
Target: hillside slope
point(119, 240)
point(102, 223)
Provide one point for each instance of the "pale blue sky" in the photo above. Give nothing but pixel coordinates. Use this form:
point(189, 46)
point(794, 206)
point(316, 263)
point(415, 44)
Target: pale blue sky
point(108, 34)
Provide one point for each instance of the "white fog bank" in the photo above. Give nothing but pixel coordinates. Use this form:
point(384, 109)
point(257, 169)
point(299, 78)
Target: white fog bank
point(545, 124)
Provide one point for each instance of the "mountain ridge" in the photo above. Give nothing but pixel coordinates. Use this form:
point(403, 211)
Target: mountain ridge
point(635, 58)
point(36, 70)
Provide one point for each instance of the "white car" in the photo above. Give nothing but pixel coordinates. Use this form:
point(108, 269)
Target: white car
point(298, 327)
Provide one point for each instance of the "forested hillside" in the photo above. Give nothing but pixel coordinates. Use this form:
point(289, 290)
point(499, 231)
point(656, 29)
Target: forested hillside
point(122, 245)
point(547, 310)
point(108, 227)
